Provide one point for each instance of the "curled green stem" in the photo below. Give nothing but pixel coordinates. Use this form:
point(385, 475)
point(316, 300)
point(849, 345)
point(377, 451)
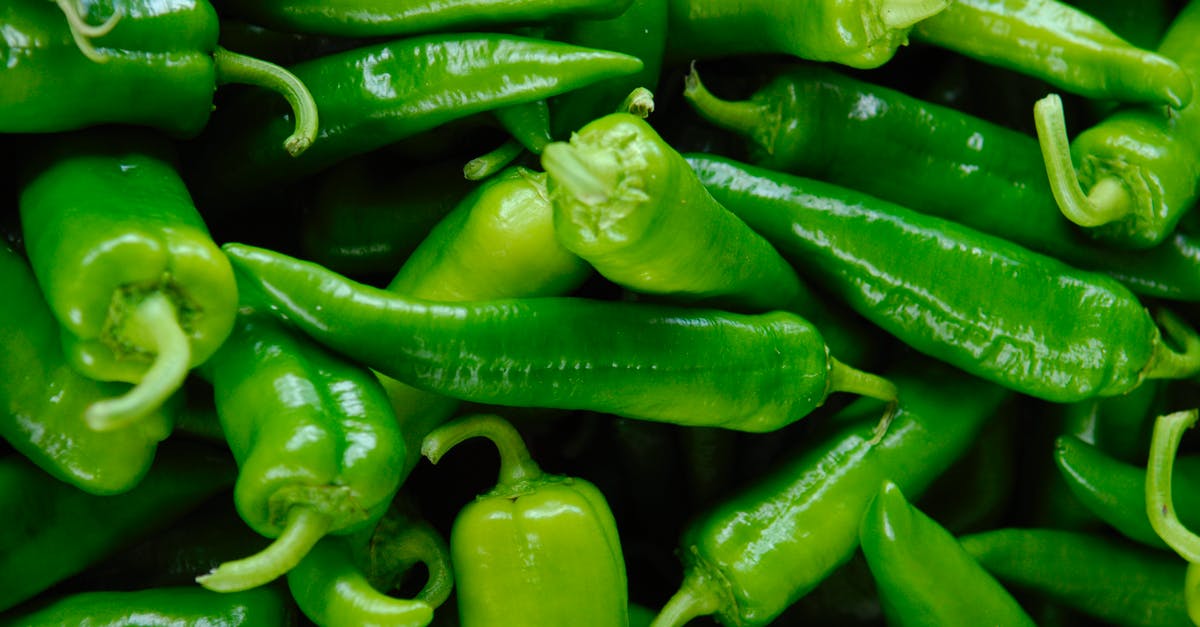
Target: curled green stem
point(1109, 199)
point(1160, 507)
point(236, 68)
point(413, 542)
point(745, 117)
point(305, 527)
point(577, 175)
point(492, 162)
point(172, 350)
point(1168, 363)
point(516, 465)
point(83, 33)
point(697, 596)
point(639, 102)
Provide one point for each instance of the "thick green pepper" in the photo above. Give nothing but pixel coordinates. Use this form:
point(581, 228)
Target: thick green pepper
point(858, 33)
point(924, 575)
point(957, 294)
point(140, 289)
point(1140, 167)
point(751, 557)
point(154, 64)
point(317, 445)
point(1060, 45)
point(43, 400)
point(814, 122)
point(373, 96)
point(52, 530)
point(703, 367)
point(537, 549)
point(162, 607)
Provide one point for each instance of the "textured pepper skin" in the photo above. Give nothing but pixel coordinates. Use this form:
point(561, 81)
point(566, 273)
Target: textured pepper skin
point(157, 67)
point(375, 95)
point(42, 399)
point(533, 353)
point(52, 530)
point(1116, 583)
point(817, 123)
point(951, 292)
point(375, 18)
point(755, 554)
point(162, 607)
point(107, 222)
point(923, 574)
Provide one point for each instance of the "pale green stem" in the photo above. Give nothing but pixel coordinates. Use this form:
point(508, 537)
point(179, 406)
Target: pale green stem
point(516, 465)
point(1160, 508)
point(305, 527)
point(569, 169)
point(492, 162)
point(903, 14)
point(639, 102)
point(83, 33)
point(236, 68)
point(1167, 363)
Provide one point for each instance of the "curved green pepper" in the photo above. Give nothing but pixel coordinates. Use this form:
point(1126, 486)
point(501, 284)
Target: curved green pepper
point(153, 63)
point(140, 289)
point(316, 442)
point(536, 549)
point(43, 400)
point(162, 607)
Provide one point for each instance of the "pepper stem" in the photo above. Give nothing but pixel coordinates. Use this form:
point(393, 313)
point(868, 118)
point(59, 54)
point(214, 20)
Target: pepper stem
point(83, 33)
point(305, 527)
point(172, 358)
point(492, 162)
point(639, 102)
point(697, 596)
point(516, 466)
point(743, 117)
point(843, 378)
point(1168, 431)
point(902, 14)
point(581, 177)
point(237, 68)
point(1191, 592)
point(412, 542)
point(1167, 363)
point(1108, 201)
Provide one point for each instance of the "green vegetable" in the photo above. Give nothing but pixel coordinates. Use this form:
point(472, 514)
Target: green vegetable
point(162, 607)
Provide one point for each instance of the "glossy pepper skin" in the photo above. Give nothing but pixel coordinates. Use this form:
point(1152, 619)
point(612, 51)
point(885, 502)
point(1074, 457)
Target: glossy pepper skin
point(162, 607)
point(53, 530)
point(317, 445)
point(1116, 583)
point(111, 229)
point(818, 123)
point(752, 556)
point(957, 294)
point(537, 549)
point(373, 96)
point(42, 399)
point(1130, 178)
point(858, 33)
point(535, 352)
point(1061, 45)
point(924, 575)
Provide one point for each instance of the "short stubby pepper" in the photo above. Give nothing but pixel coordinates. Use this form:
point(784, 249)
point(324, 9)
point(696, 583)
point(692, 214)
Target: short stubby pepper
point(316, 442)
point(537, 549)
point(42, 399)
point(140, 289)
point(152, 64)
point(671, 364)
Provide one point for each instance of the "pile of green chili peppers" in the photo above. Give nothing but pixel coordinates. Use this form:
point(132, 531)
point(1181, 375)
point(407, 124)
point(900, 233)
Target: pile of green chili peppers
point(611, 313)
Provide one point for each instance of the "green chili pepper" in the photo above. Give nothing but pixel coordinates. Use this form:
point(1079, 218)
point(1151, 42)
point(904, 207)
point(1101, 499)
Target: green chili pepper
point(155, 64)
point(140, 289)
point(162, 607)
point(1140, 167)
point(754, 555)
point(316, 442)
point(570, 353)
point(375, 18)
point(52, 530)
point(814, 122)
point(957, 294)
point(537, 549)
point(373, 96)
point(368, 215)
point(859, 33)
point(1141, 23)
point(43, 400)
point(1060, 45)
point(1114, 582)
point(924, 575)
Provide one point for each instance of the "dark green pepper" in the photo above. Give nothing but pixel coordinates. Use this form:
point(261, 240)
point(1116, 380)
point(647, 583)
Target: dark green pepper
point(43, 400)
point(162, 607)
point(537, 549)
